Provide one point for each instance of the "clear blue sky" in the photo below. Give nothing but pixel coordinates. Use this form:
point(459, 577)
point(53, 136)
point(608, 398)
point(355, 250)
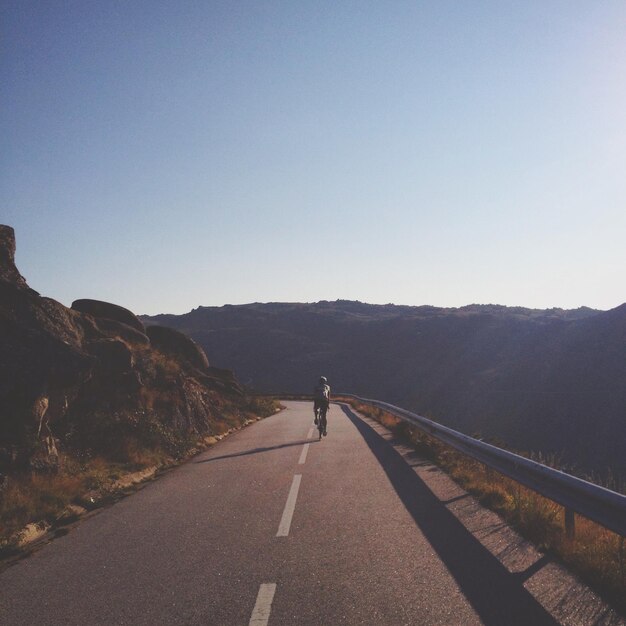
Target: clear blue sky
point(165, 155)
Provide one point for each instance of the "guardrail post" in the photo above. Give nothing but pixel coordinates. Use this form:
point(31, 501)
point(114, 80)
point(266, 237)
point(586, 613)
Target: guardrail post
point(570, 524)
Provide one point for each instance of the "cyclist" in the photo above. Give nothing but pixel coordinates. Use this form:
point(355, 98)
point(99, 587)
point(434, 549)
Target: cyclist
point(321, 402)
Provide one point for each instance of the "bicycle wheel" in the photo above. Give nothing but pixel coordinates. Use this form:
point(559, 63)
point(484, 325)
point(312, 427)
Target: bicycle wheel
point(322, 422)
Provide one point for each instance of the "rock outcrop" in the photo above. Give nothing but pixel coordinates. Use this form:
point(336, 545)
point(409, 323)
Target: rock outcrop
point(108, 311)
point(90, 378)
point(8, 271)
point(176, 344)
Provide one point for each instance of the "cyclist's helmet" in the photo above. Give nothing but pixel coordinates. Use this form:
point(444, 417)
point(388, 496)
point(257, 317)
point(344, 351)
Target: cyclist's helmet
point(323, 379)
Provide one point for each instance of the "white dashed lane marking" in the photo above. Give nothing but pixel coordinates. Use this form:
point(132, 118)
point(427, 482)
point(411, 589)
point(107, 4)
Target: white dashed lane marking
point(303, 454)
point(263, 606)
point(285, 522)
point(305, 449)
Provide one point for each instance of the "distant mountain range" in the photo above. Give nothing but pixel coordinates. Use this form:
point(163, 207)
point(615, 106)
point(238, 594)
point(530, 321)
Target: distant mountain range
point(551, 380)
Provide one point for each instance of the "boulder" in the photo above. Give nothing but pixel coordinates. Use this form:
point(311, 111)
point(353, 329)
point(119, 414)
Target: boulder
point(120, 330)
point(106, 310)
point(175, 343)
point(223, 379)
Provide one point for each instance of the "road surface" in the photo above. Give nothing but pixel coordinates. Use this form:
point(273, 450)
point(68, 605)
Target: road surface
point(271, 526)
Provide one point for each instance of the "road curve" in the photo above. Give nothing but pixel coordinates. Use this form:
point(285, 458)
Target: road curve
point(271, 526)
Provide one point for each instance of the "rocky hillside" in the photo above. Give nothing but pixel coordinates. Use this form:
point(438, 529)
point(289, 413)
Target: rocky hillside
point(92, 380)
point(543, 380)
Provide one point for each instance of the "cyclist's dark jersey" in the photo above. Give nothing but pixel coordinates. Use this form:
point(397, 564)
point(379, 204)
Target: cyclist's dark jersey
point(321, 397)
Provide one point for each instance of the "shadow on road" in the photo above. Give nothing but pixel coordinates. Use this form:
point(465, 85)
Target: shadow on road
point(258, 450)
point(497, 595)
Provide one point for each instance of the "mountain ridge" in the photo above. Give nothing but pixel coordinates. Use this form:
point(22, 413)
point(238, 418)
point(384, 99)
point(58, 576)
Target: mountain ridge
point(550, 380)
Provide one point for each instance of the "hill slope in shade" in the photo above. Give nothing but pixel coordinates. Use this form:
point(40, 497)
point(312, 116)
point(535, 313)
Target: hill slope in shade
point(92, 380)
point(544, 380)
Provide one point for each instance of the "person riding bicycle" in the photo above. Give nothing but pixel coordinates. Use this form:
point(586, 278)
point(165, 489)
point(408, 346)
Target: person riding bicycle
point(321, 401)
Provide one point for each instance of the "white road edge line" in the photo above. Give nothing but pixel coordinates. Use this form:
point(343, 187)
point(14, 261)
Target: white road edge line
point(261, 612)
point(310, 433)
point(285, 521)
point(303, 454)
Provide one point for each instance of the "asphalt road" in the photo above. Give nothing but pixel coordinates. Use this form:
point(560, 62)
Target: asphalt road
point(272, 526)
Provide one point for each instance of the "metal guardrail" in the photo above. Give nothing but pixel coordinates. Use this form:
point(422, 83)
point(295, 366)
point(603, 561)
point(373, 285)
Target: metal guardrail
point(596, 503)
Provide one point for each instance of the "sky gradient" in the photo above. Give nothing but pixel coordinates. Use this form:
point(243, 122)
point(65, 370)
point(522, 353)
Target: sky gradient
point(165, 155)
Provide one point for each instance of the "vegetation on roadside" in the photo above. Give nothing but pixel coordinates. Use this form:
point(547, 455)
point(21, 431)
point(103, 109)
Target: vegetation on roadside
point(596, 554)
point(29, 497)
point(263, 406)
point(115, 446)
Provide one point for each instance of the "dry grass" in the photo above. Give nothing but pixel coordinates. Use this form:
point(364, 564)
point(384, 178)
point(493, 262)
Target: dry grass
point(138, 456)
point(596, 554)
point(31, 497)
point(166, 366)
point(262, 406)
point(34, 497)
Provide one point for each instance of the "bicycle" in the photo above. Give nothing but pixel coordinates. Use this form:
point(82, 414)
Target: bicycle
point(321, 421)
